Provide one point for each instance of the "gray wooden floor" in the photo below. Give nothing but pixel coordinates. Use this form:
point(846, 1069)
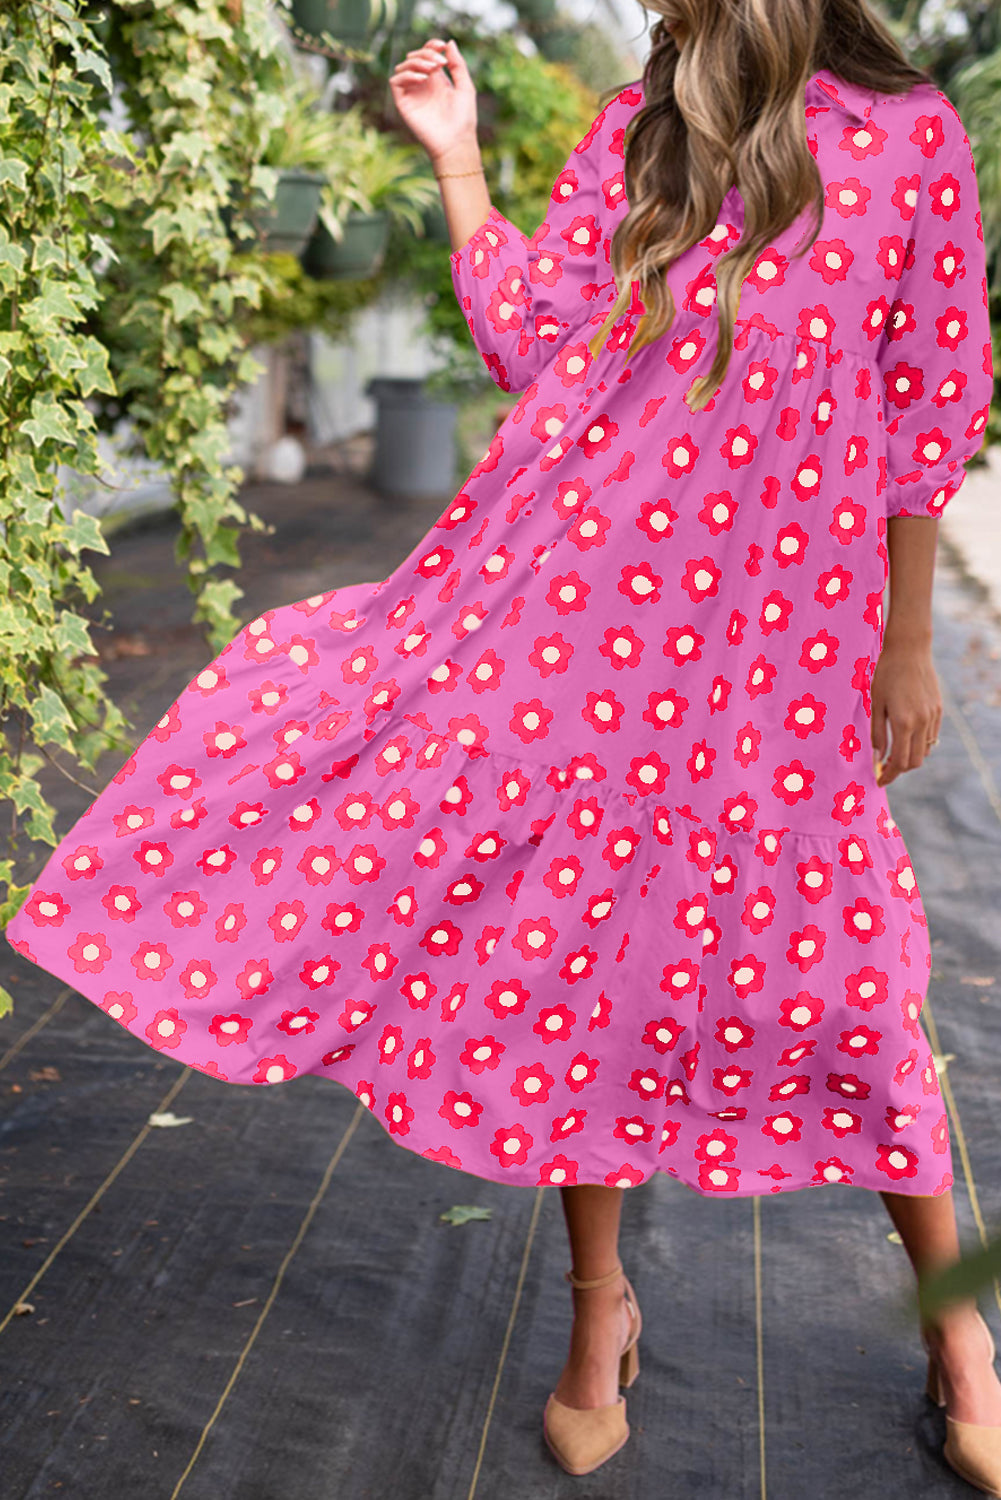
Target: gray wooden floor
point(263, 1304)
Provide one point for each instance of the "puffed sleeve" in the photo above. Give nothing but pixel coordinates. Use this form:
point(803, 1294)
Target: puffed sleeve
point(935, 359)
point(523, 297)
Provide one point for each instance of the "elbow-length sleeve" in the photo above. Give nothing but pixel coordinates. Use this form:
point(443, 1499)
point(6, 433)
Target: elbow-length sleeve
point(524, 296)
point(935, 358)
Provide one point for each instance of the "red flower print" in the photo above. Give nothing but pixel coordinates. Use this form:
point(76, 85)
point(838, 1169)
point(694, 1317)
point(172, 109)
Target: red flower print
point(570, 1124)
point(867, 988)
point(700, 763)
point(560, 1172)
point(801, 1011)
point(532, 1084)
point(717, 1146)
point(119, 1004)
point(840, 1121)
point(792, 1056)
point(733, 1033)
point(421, 1060)
point(747, 975)
point(185, 909)
point(793, 783)
point(900, 1119)
point(847, 1085)
point(189, 817)
point(848, 804)
point(276, 1069)
point(166, 1030)
point(270, 698)
point(197, 978)
point(760, 677)
point(511, 1145)
point(620, 846)
point(790, 544)
point(848, 521)
point(748, 744)
point(806, 947)
point(719, 1179)
point(379, 961)
point(355, 1014)
point(318, 864)
point(815, 879)
point(902, 879)
point(287, 920)
point(769, 845)
point(861, 1041)
point(819, 651)
point(683, 644)
point(585, 817)
point(805, 716)
point(582, 1071)
point(833, 586)
point(460, 1109)
point(255, 978)
point(599, 435)
point(506, 998)
point(897, 1162)
point(648, 773)
point(246, 814)
point(633, 1128)
point(399, 1114)
point(656, 519)
point(775, 612)
point(854, 854)
point(153, 859)
point(179, 781)
point(300, 1022)
point(363, 864)
point(568, 593)
point(224, 740)
point(759, 910)
point(48, 909)
point(663, 1035)
point(530, 721)
point(701, 850)
point(788, 1088)
point(132, 820)
point(940, 1136)
point(217, 861)
point(482, 1053)
point(863, 920)
point(640, 584)
point(555, 1023)
point(647, 1083)
point(535, 937)
point(782, 1128)
point(90, 952)
point(701, 579)
point(317, 972)
point(832, 1170)
point(230, 1028)
point(622, 647)
point(123, 905)
point(231, 923)
point(151, 961)
point(579, 965)
point(738, 813)
point(731, 1079)
point(718, 512)
point(910, 1006)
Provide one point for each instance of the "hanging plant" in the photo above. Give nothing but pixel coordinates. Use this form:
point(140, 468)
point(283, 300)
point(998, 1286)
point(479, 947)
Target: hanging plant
point(55, 160)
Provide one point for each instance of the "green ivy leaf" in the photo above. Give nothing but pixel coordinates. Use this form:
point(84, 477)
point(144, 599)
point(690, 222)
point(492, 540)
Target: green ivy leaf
point(84, 532)
point(465, 1213)
point(13, 172)
point(72, 635)
point(15, 898)
point(6, 1001)
point(53, 725)
point(48, 423)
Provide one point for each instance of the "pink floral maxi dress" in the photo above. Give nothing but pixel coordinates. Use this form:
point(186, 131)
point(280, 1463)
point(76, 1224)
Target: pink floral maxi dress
point(562, 847)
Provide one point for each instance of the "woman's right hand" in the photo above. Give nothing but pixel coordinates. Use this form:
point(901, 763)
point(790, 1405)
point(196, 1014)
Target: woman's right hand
point(436, 98)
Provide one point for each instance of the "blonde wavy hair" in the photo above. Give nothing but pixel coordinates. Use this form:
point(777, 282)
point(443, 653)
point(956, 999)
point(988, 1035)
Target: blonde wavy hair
point(724, 103)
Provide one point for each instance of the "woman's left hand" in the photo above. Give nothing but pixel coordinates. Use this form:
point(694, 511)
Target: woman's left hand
point(906, 710)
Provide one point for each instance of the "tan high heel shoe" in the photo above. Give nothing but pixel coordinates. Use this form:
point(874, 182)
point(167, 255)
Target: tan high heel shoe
point(971, 1448)
point(583, 1438)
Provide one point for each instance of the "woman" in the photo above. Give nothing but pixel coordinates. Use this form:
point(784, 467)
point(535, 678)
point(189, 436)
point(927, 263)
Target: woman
point(637, 206)
point(560, 846)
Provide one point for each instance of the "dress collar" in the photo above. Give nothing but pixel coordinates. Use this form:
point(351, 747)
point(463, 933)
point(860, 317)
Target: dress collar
point(826, 89)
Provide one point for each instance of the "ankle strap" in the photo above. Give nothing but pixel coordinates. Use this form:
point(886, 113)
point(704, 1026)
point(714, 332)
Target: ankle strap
point(598, 1280)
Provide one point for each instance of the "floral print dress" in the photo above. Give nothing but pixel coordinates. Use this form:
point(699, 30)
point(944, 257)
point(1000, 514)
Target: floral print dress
point(561, 847)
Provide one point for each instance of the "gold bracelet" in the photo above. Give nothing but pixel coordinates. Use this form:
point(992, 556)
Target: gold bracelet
point(475, 173)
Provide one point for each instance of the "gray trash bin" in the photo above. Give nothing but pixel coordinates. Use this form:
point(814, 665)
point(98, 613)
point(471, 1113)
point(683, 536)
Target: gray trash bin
point(415, 451)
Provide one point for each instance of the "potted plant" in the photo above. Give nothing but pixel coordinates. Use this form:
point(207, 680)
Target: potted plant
point(351, 21)
point(384, 180)
point(304, 150)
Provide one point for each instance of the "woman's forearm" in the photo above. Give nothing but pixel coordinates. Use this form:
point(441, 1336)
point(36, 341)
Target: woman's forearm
point(911, 542)
point(464, 196)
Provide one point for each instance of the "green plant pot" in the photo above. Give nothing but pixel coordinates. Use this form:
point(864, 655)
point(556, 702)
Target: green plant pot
point(287, 223)
point(354, 258)
point(348, 20)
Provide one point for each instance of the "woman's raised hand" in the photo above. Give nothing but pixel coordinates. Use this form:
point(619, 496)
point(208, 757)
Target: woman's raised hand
point(436, 98)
